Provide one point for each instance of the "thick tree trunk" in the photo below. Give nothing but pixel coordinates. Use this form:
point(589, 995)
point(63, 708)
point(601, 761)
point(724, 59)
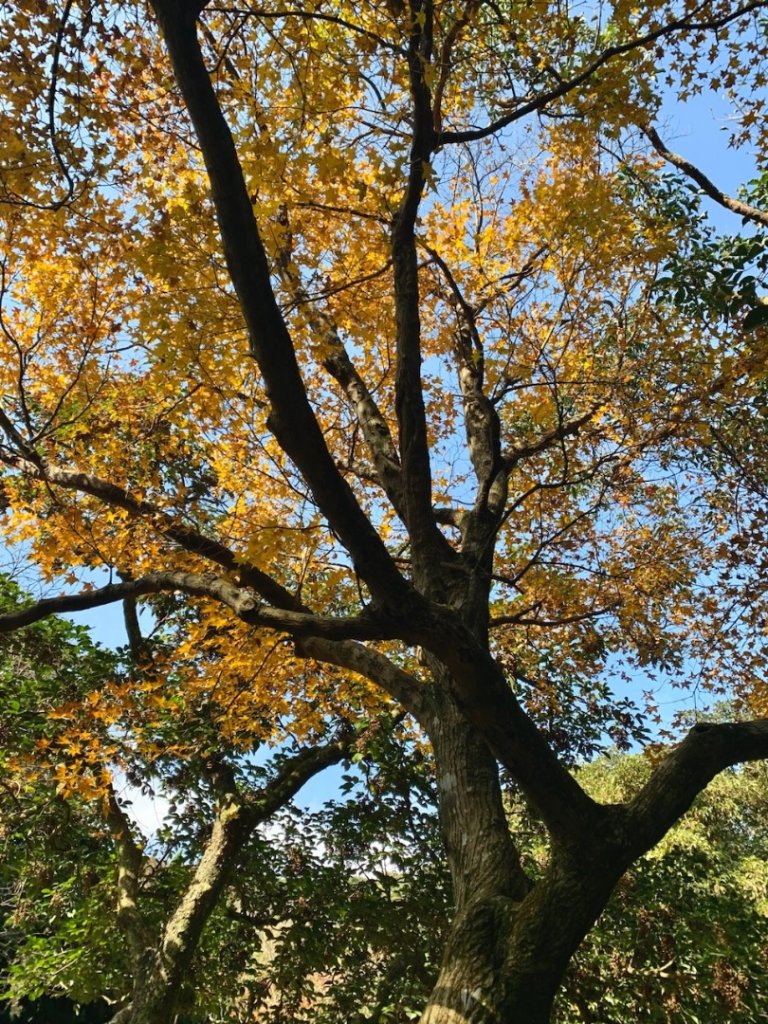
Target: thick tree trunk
point(506, 959)
point(483, 860)
point(511, 939)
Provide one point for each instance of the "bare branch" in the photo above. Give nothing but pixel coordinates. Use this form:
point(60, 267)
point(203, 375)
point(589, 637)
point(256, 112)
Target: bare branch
point(298, 770)
point(403, 687)
point(52, 107)
point(744, 210)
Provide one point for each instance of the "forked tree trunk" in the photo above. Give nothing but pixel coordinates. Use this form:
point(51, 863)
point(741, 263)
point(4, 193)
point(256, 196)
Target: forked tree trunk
point(161, 973)
point(511, 940)
point(505, 959)
point(161, 965)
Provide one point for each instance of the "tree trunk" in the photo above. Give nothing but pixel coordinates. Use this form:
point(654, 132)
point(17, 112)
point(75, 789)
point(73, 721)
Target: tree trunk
point(160, 973)
point(505, 959)
point(482, 857)
point(511, 939)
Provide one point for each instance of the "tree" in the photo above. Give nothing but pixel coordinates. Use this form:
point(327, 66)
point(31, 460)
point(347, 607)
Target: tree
point(340, 916)
point(348, 877)
point(347, 325)
point(91, 910)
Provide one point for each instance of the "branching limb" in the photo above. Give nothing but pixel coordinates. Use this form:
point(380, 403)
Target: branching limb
point(237, 815)
point(529, 616)
point(452, 36)
point(401, 686)
point(292, 419)
point(565, 429)
point(686, 23)
point(481, 421)
point(483, 695)
point(307, 15)
point(189, 539)
point(478, 683)
point(368, 626)
point(298, 770)
point(338, 364)
point(707, 750)
point(372, 422)
point(744, 210)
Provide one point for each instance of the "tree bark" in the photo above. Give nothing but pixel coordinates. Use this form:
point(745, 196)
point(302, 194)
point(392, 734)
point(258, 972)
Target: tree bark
point(505, 959)
point(482, 857)
point(511, 939)
point(160, 968)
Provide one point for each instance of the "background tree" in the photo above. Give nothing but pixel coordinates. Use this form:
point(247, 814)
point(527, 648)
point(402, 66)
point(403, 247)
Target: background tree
point(345, 325)
point(93, 911)
point(57, 933)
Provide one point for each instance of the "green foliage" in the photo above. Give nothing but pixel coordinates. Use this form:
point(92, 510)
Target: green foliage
point(712, 276)
point(57, 933)
point(336, 914)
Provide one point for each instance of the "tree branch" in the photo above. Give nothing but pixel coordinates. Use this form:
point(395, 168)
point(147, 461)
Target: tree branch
point(446, 52)
point(236, 817)
point(427, 542)
point(707, 750)
point(305, 15)
point(523, 617)
point(481, 691)
point(189, 539)
point(367, 626)
point(744, 210)
point(481, 421)
point(292, 419)
point(130, 862)
point(401, 686)
point(683, 24)
point(338, 364)
point(559, 433)
point(298, 770)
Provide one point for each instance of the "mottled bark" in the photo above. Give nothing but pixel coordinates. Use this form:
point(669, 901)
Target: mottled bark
point(505, 960)
point(161, 963)
point(481, 854)
point(160, 974)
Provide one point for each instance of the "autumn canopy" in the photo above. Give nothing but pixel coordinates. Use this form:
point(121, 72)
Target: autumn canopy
point(382, 361)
